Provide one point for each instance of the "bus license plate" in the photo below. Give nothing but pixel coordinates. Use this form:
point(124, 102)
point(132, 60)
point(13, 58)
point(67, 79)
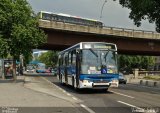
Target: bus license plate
point(101, 84)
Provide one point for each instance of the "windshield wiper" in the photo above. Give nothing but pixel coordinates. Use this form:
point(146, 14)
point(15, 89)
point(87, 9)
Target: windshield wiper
point(106, 55)
point(93, 52)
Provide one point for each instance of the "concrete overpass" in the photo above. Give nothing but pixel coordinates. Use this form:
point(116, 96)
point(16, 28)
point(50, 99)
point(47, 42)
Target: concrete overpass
point(62, 35)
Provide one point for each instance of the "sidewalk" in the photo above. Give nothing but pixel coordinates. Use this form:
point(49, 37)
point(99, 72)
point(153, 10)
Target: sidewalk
point(43, 85)
point(19, 94)
point(35, 95)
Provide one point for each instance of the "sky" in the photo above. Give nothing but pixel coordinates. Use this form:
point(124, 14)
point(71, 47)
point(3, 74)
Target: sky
point(113, 14)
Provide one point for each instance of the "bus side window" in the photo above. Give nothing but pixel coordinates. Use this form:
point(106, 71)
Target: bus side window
point(60, 61)
point(74, 57)
point(63, 60)
point(69, 58)
point(66, 59)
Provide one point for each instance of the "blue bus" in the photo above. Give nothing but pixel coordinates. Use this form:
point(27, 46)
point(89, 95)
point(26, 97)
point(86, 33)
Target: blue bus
point(89, 65)
point(40, 68)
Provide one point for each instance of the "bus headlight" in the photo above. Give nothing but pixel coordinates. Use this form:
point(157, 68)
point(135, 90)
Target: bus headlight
point(85, 81)
point(114, 80)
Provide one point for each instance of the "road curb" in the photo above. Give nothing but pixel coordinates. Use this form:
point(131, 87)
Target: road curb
point(62, 95)
point(149, 83)
point(143, 82)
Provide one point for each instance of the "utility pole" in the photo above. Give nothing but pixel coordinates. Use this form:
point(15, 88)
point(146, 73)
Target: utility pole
point(102, 9)
point(21, 64)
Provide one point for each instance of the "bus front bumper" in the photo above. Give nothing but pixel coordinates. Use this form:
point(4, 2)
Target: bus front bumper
point(93, 85)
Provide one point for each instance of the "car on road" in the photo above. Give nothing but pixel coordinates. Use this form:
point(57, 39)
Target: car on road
point(47, 71)
point(122, 79)
point(30, 69)
point(40, 70)
point(54, 71)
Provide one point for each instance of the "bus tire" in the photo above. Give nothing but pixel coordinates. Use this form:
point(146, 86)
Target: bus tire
point(73, 81)
point(75, 84)
point(78, 89)
point(63, 84)
point(105, 90)
point(61, 81)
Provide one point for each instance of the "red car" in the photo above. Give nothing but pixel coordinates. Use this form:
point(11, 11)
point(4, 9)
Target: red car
point(47, 71)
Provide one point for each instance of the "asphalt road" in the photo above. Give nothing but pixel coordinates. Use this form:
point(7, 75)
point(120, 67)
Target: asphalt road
point(125, 99)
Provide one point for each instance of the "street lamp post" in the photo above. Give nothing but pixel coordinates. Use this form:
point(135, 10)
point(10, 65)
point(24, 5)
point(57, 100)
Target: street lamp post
point(102, 9)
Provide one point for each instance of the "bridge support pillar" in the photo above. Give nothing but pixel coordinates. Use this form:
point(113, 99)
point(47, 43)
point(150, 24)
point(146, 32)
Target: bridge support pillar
point(136, 73)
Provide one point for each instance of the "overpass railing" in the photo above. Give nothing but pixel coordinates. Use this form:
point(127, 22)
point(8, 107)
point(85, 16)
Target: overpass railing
point(101, 31)
point(146, 73)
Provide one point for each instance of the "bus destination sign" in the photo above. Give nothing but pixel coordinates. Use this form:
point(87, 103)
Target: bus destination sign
point(99, 46)
point(104, 46)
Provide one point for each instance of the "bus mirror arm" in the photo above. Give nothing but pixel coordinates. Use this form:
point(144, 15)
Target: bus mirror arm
point(77, 51)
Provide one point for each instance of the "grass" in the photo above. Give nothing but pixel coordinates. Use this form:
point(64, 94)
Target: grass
point(152, 77)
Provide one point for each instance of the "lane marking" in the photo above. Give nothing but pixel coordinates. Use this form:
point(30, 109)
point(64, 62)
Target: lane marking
point(59, 88)
point(122, 94)
point(141, 110)
point(47, 81)
point(86, 108)
point(53, 84)
point(74, 98)
point(130, 105)
point(68, 94)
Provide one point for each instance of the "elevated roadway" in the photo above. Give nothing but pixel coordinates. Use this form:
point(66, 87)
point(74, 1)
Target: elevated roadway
point(62, 35)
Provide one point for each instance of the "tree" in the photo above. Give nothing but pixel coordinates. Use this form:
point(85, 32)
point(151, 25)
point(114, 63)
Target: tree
point(19, 31)
point(142, 10)
point(49, 58)
point(127, 63)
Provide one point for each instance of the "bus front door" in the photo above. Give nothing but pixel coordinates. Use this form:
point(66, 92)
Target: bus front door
point(65, 75)
point(77, 68)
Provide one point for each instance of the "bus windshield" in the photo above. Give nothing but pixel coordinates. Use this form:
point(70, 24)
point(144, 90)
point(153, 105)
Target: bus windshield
point(41, 66)
point(92, 61)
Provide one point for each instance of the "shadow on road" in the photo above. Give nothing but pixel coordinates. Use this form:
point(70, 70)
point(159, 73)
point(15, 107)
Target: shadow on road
point(38, 75)
point(125, 87)
point(11, 81)
point(82, 91)
point(71, 89)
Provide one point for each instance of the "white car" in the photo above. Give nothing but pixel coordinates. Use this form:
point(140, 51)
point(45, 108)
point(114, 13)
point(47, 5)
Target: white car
point(30, 70)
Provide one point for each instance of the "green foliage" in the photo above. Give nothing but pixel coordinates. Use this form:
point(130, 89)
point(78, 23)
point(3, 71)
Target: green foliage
point(152, 77)
point(19, 31)
point(49, 58)
point(142, 10)
point(3, 47)
point(27, 59)
point(127, 63)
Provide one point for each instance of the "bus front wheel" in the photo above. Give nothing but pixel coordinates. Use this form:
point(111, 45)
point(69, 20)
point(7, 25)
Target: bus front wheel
point(105, 90)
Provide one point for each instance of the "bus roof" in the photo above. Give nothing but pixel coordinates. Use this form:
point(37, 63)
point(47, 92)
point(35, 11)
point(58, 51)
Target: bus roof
point(67, 15)
point(41, 64)
point(87, 45)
